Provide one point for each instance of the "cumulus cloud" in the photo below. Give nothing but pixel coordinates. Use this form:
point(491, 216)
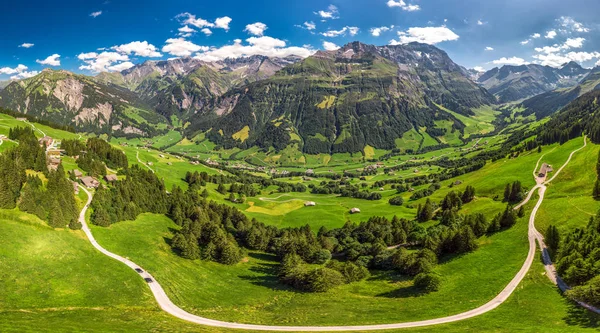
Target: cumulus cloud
point(26, 45)
point(403, 5)
point(221, 22)
point(121, 67)
point(335, 33)
point(331, 13)
point(19, 72)
point(515, 61)
point(7, 70)
point(141, 49)
point(480, 22)
point(558, 60)
point(329, 46)
point(376, 32)
point(96, 14)
point(536, 35)
point(52, 60)
point(206, 31)
point(489, 48)
point(427, 35)
point(479, 69)
point(550, 34)
point(182, 48)
point(102, 62)
point(267, 46)
point(256, 29)
point(574, 43)
point(525, 42)
point(186, 31)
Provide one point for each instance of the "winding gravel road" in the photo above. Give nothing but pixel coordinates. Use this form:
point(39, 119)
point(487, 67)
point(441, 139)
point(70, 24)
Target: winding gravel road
point(168, 306)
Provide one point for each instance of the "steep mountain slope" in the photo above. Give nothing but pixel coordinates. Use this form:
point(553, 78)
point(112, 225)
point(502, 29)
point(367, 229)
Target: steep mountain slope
point(513, 83)
point(548, 103)
point(186, 86)
point(68, 99)
point(343, 100)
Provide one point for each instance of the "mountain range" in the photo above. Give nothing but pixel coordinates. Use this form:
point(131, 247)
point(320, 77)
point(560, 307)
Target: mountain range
point(332, 101)
point(514, 83)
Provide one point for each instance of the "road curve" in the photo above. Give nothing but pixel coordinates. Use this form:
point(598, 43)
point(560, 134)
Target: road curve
point(168, 306)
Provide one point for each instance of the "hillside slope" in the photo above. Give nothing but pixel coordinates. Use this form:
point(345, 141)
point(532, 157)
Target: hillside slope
point(76, 100)
point(341, 101)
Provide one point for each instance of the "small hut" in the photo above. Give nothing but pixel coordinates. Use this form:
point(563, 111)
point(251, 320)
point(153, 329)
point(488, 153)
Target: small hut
point(354, 210)
point(310, 204)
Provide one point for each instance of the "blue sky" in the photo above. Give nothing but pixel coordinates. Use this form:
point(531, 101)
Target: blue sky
point(92, 36)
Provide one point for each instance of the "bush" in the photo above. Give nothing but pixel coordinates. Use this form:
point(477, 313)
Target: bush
point(428, 282)
point(396, 201)
point(321, 256)
point(322, 279)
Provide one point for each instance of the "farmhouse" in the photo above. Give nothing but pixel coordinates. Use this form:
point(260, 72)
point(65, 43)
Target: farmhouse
point(354, 211)
point(77, 174)
point(310, 204)
point(46, 141)
point(111, 178)
point(544, 170)
point(90, 182)
point(53, 163)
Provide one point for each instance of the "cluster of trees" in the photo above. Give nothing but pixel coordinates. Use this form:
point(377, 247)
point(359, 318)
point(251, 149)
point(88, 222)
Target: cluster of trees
point(596, 191)
point(425, 192)
point(577, 259)
point(344, 189)
point(514, 192)
point(53, 201)
point(140, 192)
point(95, 155)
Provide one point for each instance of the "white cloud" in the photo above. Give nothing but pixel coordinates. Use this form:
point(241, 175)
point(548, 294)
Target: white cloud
point(329, 46)
point(489, 48)
point(376, 32)
point(557, 60)
point(548, 49)
point(102, 62)
point(20, 72)
point(86, 56)
point(310, 25)
point(206, 31)
point(550, 34)
point(26, 45)
point(480, 22)
point(335, 33)
point(121, 67)
point(181, 48)
point(574, 43)
point(52, 60)
point(525, 42)
point(24, 75)
point(515, 61)
point(221, 22)
point(479, 69)
point(403, 5)
point(186, 31)
point(7, 70)
point(267, 46)
point(598, 63)
point(536, 35)
point(141, 49)
point(572, 25)
point(427, 35)
point(96, 14)
point(331, 13)
point(256, 29)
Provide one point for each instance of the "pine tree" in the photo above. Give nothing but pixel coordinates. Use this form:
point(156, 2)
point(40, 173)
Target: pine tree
point(426, 213)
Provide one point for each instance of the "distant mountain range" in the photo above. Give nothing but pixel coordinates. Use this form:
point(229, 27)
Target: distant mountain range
point(548, 103)
point(514, 83)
